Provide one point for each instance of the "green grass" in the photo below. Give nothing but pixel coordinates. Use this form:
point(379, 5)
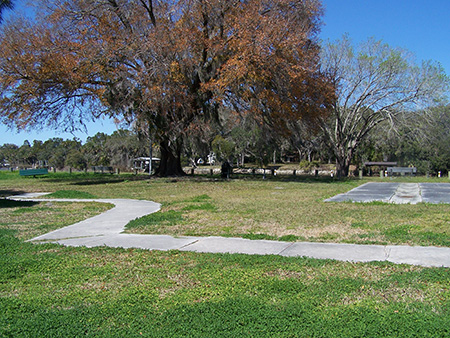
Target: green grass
point(53, 291)
point(201, 198)
point(204, 206)
point(48, 290)
point(158, 219)
point(70, 194)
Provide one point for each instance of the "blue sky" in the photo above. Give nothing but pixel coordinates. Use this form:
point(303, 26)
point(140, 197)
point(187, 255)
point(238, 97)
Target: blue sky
point(420, 26)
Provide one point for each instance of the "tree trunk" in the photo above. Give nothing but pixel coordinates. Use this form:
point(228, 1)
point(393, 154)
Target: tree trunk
point(343, 160)
point(342, 169)
point(170, 159)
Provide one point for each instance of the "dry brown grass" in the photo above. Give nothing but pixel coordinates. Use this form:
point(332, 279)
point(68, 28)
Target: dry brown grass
point(31, 220)
point(274, 208)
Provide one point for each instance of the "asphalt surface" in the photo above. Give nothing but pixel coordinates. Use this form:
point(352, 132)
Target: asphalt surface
point(398, 193)
point(106, 230)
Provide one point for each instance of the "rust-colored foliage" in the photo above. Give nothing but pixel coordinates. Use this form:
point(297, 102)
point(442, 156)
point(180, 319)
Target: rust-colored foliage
point(163, 64)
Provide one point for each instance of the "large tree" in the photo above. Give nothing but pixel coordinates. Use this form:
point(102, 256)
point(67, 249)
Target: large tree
point(374, 83)
point(162, 65)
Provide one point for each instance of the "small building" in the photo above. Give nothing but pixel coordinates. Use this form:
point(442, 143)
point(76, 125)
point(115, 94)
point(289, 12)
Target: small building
point(142, 163)
point(378, 165)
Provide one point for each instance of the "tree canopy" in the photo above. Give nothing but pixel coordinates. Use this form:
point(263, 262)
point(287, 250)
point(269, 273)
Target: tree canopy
point(165, 66)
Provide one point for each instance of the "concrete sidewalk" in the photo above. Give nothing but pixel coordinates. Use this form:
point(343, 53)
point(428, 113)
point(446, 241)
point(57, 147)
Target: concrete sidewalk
point(106, 230)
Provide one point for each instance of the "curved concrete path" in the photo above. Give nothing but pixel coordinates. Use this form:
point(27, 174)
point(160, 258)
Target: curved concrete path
point(106, 230)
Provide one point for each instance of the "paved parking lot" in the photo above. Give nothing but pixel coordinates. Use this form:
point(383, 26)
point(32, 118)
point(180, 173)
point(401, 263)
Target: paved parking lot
point(399, 193)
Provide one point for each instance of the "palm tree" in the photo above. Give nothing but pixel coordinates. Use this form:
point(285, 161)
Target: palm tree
point(5, 4)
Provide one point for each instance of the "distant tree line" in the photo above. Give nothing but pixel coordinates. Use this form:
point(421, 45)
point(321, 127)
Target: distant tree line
point(117, 150)
point(423, 142)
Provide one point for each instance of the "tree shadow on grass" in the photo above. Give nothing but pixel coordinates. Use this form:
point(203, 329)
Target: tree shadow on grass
point(6, 203)
point(97, 182)
point(88, 178)
point(276, 178)
point(93, 179)
point(110, 180)
point(6, 193)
